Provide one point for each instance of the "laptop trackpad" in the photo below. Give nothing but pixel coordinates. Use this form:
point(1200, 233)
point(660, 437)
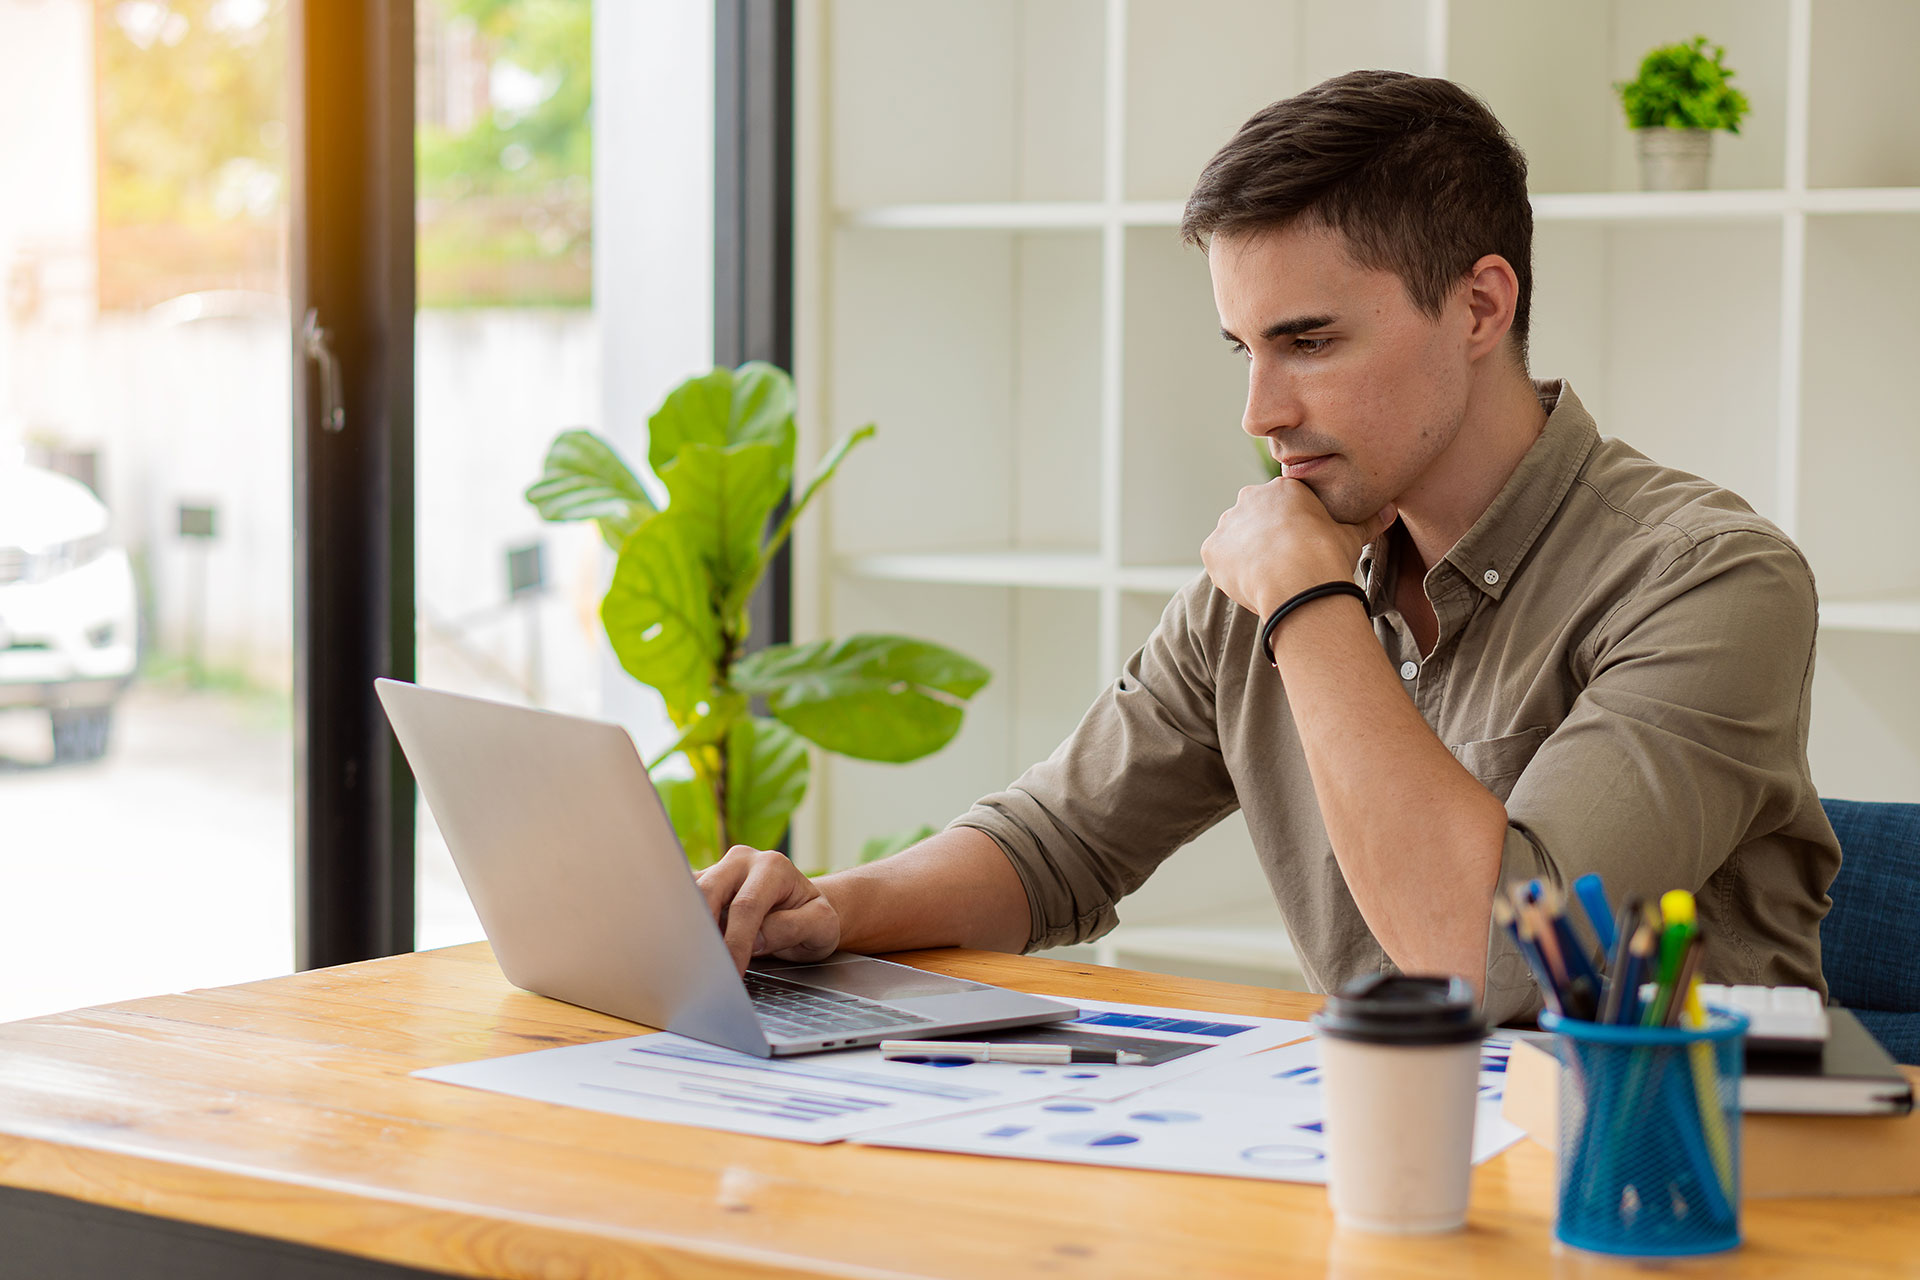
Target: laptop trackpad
point(871, 979)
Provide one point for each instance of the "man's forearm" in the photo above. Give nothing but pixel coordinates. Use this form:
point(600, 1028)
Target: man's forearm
point(1417, 837)
point(956, 889)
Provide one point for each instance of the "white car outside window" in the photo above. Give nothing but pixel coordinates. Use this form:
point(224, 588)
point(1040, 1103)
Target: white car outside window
point(69, 617)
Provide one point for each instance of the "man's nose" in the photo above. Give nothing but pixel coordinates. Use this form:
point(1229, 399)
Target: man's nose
point(1271, 402)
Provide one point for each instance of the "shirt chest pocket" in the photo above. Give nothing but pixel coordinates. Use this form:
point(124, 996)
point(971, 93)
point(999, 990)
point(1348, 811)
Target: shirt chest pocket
point(1498, 762)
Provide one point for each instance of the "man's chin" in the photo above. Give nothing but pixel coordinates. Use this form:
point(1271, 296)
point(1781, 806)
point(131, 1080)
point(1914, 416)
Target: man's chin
point(1344, 507)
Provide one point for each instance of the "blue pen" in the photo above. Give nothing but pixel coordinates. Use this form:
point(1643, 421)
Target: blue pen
point(1549, 989)
point(1640, 960)
point(1593, 901)
point(1573, 955)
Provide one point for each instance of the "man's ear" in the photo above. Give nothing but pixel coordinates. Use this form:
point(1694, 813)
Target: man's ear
point(1492, 294)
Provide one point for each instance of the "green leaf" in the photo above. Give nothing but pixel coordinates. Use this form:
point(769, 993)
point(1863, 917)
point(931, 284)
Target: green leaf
point(707, 727)
point(1683, 86)
point(724, 496)
point(767, 774)
point(659, 614)
point(690, 809)
point(886, 846)
point(751, 405)
point(822, 474)
point(736, 599)
point(585, 479)
point(873, 697)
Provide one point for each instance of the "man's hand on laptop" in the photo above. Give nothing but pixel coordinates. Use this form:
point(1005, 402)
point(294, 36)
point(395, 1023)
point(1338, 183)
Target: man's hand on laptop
point(765, 905)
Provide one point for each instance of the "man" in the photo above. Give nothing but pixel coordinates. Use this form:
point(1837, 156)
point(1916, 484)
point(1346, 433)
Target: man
point(1563, 658)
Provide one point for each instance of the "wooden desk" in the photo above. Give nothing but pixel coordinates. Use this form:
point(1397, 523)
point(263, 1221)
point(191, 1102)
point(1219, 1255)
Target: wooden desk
point(283, 1109)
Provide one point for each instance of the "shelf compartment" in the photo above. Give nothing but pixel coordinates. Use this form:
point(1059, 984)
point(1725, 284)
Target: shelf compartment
point(1860, 449)
point(978, 354)
point(1183, 394)
point(1604, 318)
point(1040, 646)
point(1866, 702)
point(1562, 108)
point(1193, 79)
point(993, 99)
point(1864, 96)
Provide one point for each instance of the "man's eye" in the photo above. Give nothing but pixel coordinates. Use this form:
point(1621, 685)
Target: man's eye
point(1310, 346)
point(1240, 349)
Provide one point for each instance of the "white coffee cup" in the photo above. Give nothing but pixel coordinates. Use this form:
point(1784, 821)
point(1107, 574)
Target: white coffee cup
point(1400, 1068)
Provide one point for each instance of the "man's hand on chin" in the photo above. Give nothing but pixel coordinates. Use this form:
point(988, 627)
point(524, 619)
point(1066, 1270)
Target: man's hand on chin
point(1278, 540)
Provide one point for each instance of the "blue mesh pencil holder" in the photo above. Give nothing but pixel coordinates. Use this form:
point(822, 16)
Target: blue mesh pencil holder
point(1649, 1158)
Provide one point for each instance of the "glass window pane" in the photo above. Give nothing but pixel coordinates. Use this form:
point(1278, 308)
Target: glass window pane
point(508, 355)
point(145, 499)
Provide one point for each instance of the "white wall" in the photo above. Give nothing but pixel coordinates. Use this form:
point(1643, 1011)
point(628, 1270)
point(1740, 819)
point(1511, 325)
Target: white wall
point(652, 238)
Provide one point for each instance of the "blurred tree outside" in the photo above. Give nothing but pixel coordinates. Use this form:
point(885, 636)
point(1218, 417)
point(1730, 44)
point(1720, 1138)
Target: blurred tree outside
point(191, 147)
point(193, 152)
point(505, 152)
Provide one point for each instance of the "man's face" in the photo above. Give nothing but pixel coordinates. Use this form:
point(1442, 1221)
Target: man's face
point(1355, 390)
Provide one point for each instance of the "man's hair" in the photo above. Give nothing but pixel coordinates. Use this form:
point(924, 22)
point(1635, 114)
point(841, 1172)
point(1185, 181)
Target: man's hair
point(1415, 173)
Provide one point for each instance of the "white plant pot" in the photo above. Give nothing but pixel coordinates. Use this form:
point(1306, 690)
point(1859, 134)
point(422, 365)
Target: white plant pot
point(1674, 159)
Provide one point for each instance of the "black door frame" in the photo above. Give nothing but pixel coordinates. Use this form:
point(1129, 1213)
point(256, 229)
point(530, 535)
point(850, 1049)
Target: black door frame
point(352, 270)
point(753, 226)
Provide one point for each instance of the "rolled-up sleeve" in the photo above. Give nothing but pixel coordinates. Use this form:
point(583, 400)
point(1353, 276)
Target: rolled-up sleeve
point(1685, 748)
point(1140, 776)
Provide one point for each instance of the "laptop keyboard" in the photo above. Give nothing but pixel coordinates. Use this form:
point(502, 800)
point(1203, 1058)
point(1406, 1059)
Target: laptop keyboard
point(797, 1012)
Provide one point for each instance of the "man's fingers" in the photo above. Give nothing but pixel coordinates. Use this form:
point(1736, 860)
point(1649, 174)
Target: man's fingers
point(768, 887)
point(719, 882)
point(1376, 524)
point(810, 931)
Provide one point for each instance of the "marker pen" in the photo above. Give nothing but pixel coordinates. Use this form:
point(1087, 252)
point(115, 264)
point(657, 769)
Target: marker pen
point(985, 1051)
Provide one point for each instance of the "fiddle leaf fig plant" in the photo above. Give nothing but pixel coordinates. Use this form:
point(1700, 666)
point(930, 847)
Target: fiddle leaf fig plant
point(676, 613)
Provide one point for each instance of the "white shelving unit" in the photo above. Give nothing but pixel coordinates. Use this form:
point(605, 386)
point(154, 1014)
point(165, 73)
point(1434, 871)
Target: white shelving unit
point(987, 267)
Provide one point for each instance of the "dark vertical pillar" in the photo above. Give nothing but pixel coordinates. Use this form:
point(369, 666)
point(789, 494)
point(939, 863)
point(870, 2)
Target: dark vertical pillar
point(753, 222)
point(352, 280)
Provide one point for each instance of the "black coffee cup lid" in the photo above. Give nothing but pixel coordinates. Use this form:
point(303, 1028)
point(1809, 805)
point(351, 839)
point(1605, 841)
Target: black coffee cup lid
point(1398, 1009)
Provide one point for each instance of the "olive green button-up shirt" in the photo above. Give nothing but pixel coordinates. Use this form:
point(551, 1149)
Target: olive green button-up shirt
point(1625, 656)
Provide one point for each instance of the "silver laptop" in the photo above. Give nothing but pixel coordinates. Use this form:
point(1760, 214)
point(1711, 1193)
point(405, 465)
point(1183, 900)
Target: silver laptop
point(585, 894)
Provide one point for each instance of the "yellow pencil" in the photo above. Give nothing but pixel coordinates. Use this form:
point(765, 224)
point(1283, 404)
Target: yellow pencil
point(1678, 907)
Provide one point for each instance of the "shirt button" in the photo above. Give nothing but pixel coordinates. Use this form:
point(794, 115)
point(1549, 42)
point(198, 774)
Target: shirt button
point(1490, 577)
point(1408, 670)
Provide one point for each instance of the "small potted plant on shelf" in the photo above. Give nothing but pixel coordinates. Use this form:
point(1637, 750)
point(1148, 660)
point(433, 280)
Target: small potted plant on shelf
point(676, 614)
point(1679, 98)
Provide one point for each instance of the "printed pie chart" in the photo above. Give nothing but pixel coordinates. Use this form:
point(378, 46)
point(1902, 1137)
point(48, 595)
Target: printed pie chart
point(1094, 1138)
point(1166, 1117)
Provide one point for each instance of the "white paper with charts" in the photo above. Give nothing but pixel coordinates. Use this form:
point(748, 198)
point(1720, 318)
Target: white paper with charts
point(1175, 1043)
point(826, 1097)
point(1256, 1117)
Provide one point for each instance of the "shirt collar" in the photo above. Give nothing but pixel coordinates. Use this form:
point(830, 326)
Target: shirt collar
point(1500, 539)
point(1490, 553)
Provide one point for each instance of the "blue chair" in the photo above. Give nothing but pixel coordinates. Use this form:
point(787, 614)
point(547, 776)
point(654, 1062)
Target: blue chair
point(1870, 941)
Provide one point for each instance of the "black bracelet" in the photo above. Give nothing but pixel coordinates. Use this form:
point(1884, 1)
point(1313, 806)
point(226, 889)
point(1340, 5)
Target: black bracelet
point(1311, 593)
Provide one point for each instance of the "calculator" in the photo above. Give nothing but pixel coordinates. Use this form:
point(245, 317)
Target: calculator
point(1779, 1019)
